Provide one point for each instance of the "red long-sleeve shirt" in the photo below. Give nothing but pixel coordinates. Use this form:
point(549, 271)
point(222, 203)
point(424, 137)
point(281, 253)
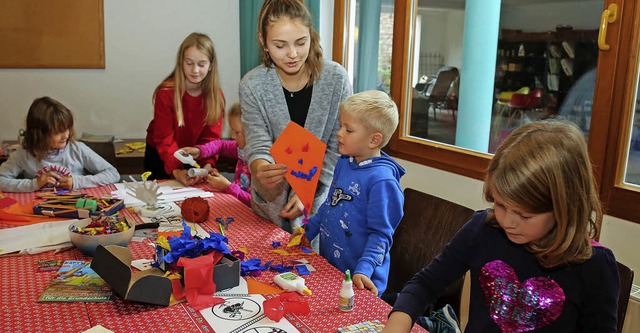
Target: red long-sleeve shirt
point(166, 137)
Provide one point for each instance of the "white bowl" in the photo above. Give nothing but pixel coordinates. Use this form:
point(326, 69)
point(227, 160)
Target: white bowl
point(88, 243)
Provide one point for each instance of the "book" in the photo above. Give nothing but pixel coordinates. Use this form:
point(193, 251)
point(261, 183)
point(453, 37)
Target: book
point(75, 281)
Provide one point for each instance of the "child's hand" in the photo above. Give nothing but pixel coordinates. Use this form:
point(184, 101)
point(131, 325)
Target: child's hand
point(193, 151)
point(398, 322)
point(217, 181)
point(292, 209)
point(66, 183)
point(363, 281)
point(48, 178)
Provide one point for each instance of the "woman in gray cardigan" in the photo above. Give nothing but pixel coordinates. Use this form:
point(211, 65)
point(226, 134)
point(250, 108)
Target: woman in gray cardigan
point(293, 83)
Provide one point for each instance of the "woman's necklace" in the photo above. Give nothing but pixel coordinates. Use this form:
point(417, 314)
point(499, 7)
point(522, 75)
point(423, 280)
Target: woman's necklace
point(300, 84)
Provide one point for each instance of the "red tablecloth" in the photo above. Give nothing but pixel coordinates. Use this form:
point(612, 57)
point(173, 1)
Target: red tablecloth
point(21, 285)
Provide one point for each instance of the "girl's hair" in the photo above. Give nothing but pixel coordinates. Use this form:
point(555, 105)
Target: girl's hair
point(273, 10)
point(544, 167)
point(45, 118)
point(235, 110)
point(210, 84)
point(376, 110)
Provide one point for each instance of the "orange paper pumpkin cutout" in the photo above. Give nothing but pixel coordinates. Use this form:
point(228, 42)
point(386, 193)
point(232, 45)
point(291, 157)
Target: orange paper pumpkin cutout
point(303, 155)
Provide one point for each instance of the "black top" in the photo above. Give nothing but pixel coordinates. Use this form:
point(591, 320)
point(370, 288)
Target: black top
point(298, 103)
point(511, 292)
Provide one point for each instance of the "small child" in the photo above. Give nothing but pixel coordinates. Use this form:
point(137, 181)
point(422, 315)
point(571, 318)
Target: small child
point(241, 186)
point(50, 157)
point(364, 206)
point(534, 265)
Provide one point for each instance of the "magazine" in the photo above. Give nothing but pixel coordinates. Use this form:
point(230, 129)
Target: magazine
point(75, 281)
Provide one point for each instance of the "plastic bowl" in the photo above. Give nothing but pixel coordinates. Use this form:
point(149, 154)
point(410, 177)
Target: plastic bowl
point(88, 243)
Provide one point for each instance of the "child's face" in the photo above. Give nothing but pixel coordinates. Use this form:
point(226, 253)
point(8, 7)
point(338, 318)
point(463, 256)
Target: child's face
point(520, 226)
point(196, 66)
point(354, 139)
point(59, 140)
point(288, 42)
point(237, 131)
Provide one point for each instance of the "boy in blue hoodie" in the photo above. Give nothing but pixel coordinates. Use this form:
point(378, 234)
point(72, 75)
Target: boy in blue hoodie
point(364, 205)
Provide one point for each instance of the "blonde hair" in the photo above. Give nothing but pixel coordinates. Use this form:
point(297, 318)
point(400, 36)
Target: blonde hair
point(377, 111)
point(273, 10)
point(544, 167)
point(210, 84)
point(235, 110)
point(45, 118)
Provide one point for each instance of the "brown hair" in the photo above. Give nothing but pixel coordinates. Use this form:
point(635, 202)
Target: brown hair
point(210, 84)
point(273, 10)
point(544, 167)
point(45, 118)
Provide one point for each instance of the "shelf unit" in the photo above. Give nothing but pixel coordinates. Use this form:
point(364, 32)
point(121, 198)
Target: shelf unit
point(551, 60)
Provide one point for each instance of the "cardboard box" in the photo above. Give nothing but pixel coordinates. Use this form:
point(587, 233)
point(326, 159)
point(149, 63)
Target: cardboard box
point(113, 264)
point(78, 213)
point(226, 273)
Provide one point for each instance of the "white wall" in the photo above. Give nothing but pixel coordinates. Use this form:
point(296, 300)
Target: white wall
point(141, 41)
point(619, 235)
point(546, 16)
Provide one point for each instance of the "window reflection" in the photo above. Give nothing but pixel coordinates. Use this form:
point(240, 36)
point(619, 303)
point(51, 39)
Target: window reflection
point(545, 67)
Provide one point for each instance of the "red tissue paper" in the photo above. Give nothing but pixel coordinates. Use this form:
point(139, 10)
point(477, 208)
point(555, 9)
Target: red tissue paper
point(198, 280)
point(289, 302)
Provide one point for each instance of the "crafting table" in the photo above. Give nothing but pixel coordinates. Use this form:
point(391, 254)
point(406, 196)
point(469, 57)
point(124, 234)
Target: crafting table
point(21, 285)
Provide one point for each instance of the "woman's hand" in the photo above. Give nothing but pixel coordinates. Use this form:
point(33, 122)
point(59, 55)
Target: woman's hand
point(217, 181)
point(362, 281)
point(193, 151)
point(398, 322)
point(267, 174)
point(292, 209)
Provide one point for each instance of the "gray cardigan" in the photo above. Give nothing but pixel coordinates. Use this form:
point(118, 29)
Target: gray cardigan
point(265, 115)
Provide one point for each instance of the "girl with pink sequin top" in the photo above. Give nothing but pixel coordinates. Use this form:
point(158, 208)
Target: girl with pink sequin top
point(533, 262)
point(241, 186)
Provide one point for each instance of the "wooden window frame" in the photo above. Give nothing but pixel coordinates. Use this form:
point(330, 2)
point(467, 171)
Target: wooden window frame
point(609, 118)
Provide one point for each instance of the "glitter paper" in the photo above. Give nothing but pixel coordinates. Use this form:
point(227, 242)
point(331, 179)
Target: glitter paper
point(519, 306)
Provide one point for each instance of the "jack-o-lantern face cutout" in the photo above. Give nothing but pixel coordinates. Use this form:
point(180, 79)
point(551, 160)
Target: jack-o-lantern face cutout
point(303, 154)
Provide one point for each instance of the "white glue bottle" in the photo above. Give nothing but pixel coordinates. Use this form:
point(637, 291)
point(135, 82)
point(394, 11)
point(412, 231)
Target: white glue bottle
point(345, 302)
point(291, 282)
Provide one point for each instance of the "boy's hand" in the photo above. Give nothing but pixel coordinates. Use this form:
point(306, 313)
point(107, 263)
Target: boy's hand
point(182, 176)
point(362, 281)
point(217, 181)
point(193, 151)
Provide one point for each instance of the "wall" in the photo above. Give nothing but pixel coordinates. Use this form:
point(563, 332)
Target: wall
point(578, 14)
point(141, 41)
point(617, 234)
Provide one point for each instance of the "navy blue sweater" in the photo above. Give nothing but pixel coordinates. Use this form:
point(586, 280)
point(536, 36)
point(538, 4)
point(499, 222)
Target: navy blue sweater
point(357, 220)
point(511, 292)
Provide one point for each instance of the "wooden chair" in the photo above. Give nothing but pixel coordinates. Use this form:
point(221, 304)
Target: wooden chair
point(429, 223)
point(626, 281)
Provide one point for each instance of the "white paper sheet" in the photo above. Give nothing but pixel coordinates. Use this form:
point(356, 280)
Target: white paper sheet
point(34, 236)
point(169, 191)
point(243, 313)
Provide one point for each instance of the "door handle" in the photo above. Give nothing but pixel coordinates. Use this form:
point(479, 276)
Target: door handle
point(609, 15)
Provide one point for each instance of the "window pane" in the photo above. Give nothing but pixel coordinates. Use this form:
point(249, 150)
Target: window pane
point(544, 67)
point(632, 173)
point(369, 60)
